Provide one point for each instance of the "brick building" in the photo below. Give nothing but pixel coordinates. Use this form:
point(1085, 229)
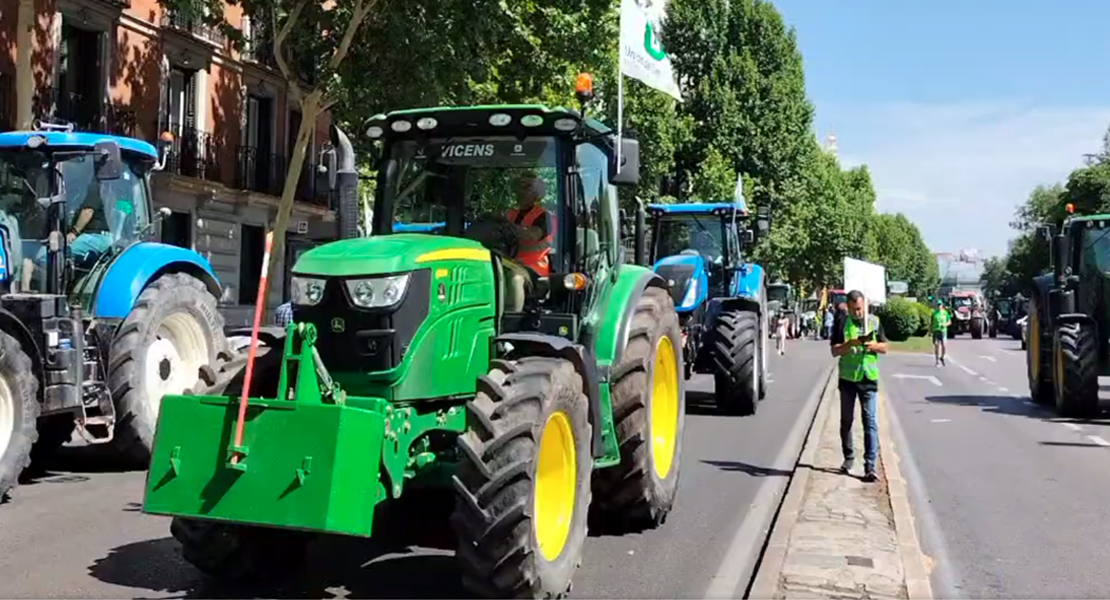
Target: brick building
point(129, 67)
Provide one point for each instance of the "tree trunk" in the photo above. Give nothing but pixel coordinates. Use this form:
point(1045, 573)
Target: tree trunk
point(310, 110)
point(24, 73)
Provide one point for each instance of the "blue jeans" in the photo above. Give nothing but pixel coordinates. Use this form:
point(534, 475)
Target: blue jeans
point(868, 399)
point(85, 248)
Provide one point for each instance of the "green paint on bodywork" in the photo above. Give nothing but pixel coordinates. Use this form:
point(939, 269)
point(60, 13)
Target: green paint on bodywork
point(322, 460)
point(377, 255)
point(602, 325)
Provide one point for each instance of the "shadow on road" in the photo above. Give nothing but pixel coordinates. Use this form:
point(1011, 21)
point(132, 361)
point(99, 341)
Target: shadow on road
point(742, 467)
point(1072, 444)
point(1008, 405)
point(70, 464)
point(410, 556)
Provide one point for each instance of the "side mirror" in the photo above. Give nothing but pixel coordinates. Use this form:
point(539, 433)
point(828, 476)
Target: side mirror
point(109, 164)
point(749, 237)
point(327, 173)
point(629, 172)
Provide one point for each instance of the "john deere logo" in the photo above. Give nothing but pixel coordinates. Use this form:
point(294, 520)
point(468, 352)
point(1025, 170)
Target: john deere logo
point(338, 325)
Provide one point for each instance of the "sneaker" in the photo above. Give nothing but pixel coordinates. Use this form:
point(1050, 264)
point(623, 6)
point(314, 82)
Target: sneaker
point(943, 363)
point(870, 477)
point(846, 466)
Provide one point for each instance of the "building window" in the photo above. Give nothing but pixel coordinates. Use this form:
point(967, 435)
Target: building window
point(252, 249)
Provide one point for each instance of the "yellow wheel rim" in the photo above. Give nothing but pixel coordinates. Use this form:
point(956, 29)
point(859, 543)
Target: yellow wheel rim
point(664, 407)
point(556, 473)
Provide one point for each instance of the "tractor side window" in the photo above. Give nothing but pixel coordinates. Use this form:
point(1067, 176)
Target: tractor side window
point(594, 238)
point(1095, 254)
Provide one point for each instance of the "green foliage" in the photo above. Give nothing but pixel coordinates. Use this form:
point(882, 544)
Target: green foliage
point(901, 319)
point(925, 318)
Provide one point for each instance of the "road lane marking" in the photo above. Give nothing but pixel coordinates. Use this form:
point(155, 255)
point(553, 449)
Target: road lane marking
point(990, 358)
point(940, 420)
point(931, 378)
point(1098, 440)
point(1004, 390)
point(1072, 426)
point(967, 370)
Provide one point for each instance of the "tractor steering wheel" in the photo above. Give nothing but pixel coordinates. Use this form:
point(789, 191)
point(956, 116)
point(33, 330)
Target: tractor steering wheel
point(496, 233)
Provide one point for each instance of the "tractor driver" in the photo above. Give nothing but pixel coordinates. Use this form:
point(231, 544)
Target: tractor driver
point(535, 229)
point(88, 236)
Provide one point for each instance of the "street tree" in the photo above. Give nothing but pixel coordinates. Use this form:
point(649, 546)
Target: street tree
point(309, 42)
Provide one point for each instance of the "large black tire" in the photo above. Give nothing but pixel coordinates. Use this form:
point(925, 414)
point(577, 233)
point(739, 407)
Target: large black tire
point(496, 519)
point(54, 432)
point(240, 553)
point(1075, 368)
point(993, 332)
point(19, 411)
point(1037, 370)
point(185, 303)
point(634, 496)
point(227, 551)
point(977, 329)
point(734, 342)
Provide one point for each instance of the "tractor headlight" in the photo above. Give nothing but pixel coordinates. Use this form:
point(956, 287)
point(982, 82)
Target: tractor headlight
point(379, 292)
point(691, 293)
point(307, 291)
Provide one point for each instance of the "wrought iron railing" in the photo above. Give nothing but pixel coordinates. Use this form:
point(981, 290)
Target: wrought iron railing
point(195, 153)
point(52, 105)
point(260, 171)
point(192, 25)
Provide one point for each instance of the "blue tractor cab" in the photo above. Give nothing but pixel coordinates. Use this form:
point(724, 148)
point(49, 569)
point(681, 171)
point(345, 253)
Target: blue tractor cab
point(720, 298)
point(97, 322)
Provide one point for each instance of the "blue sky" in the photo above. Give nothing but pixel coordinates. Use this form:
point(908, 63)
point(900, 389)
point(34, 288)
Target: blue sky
point(959, 108)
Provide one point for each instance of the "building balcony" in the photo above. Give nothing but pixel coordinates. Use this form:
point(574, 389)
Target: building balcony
point(51, 105)
point(265, 173)
point(195, 153)
point(174, 21)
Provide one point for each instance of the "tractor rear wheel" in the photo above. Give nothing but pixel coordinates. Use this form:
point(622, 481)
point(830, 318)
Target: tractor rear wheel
point(1041, 389)
point(977, 329)
point(523, 480)
point(1075, 370)
point(649, 411)
point(173, 330)
point(734, 342)
point(19, 411)
point(240, 553)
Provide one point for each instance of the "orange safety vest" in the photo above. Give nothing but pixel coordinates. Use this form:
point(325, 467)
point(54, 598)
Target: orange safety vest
point(535, 255)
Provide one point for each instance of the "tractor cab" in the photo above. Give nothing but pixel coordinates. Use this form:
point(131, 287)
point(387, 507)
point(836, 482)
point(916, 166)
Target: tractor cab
point(68, 203)
point(696, 247)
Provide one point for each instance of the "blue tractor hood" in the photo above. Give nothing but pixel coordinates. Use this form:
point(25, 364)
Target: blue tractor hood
point(688, 279)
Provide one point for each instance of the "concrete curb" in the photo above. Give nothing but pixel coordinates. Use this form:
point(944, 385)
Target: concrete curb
point(918, 586)
point(769, 571)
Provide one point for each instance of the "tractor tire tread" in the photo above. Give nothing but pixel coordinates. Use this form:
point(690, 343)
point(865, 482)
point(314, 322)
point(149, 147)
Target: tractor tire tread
point(735, 348)
point(630, 497)
point(1077, 395)
point(135, 426)
point(16, 367)
point(495, 479)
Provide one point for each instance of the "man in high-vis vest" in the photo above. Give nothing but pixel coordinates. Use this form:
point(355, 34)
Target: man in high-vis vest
point(535, 225)
point(858, 344)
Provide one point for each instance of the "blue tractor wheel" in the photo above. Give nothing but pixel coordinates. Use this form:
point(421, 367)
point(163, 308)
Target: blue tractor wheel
point(19, 411)
point(174, 330)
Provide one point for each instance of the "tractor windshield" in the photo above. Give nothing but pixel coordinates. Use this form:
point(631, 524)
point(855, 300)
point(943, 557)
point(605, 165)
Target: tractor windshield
point(689, 234)
point(1004, 307)
point(498, 190)
point(778, 292)
point(101, 214)
point(959, 301)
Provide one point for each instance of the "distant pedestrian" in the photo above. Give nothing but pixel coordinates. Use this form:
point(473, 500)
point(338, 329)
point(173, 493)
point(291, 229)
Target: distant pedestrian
point(780, 336)
point(858, 344)
point(941, 321)
point(830, 320)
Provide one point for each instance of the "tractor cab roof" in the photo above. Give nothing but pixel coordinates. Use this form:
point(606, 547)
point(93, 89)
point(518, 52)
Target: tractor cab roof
point(700, 208)
point(69, 140)
point(512, 119)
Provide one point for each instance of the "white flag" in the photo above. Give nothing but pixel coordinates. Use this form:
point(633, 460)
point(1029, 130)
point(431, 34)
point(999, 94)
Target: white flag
point(642, 56)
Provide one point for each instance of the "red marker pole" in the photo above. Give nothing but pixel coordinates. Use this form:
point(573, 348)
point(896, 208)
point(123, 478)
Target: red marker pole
point(259, 305)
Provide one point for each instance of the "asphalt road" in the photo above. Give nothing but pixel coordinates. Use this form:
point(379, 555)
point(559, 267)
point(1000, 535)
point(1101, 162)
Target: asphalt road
point(78, 531)
point(1010, 501)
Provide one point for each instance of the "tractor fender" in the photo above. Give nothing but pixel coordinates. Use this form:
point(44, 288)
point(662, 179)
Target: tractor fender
point(616, 315)
point(139, 265)
point(1080, 318)
point(540, 344)
point(10, 324)
point(749, 282)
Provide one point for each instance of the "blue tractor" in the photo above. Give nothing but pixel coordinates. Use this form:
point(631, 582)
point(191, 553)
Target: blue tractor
point(96, 322)
point(720, 298)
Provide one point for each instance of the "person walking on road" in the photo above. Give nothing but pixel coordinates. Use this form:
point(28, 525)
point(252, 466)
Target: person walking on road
point(941, 321)
point(780, 334)
point(829, 320)
point(858, 343)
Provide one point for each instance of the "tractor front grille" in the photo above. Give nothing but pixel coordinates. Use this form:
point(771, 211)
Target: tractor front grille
point(351, 338)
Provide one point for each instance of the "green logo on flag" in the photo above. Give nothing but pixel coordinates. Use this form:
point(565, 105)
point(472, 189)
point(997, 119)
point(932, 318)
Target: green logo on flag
point(651, 43)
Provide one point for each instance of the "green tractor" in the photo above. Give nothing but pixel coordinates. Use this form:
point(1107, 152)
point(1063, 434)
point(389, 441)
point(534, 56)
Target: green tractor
point(429, 356)
point(1067, 347)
